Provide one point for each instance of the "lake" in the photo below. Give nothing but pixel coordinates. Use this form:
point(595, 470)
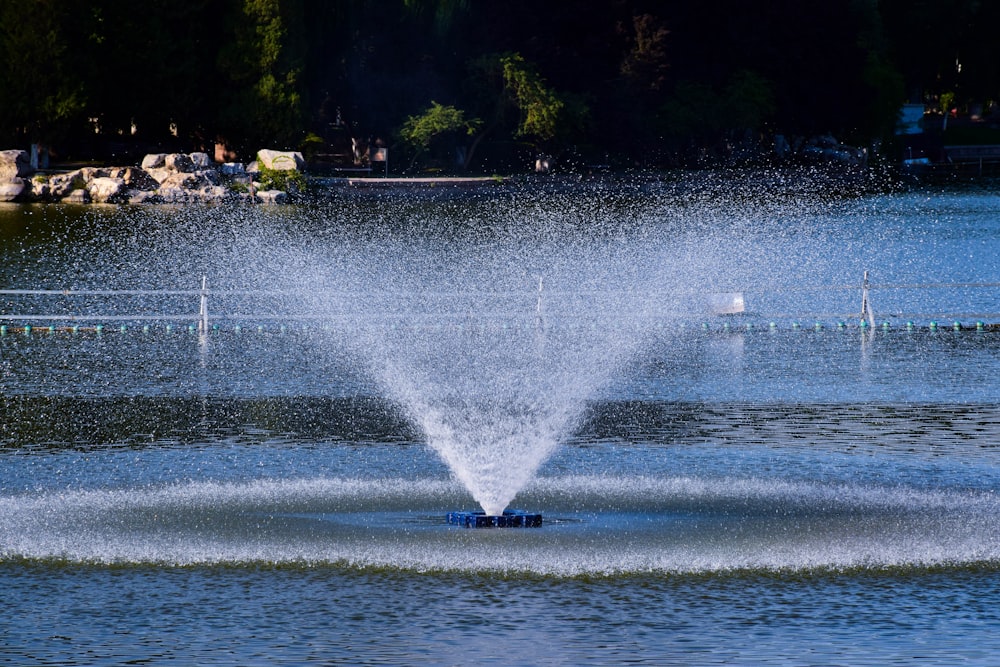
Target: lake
point(266, 481)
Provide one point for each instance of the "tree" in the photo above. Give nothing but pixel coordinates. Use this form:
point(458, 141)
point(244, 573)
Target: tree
point(540, 107)
point(510, 92)
point(151, 72)
point(438, 121)
point(42, 95)
point(264, 62)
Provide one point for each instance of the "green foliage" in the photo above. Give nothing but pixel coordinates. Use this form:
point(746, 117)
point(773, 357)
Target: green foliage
point(286, 180)
point(541, 108)
point(41, 97)
point(627, 79)
point(312, 144)
point(264, 63)
point(438, 120)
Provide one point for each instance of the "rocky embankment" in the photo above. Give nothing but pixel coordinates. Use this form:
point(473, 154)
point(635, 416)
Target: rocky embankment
point(161, 178)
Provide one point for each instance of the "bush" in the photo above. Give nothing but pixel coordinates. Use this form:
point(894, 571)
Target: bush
point(286, 180)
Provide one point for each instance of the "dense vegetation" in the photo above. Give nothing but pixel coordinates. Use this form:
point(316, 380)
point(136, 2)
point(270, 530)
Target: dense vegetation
point(480, 84)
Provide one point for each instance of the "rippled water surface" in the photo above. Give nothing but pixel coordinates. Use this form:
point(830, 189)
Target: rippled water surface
point(748, 489)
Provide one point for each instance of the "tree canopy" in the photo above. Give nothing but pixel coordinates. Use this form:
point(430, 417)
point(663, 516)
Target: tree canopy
point(634, 81)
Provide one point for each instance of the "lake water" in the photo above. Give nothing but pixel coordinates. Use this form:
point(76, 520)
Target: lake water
point(781, 486)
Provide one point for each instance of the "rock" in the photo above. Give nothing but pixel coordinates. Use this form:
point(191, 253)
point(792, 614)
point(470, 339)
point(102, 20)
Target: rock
point(135, 178)
point(232, 169)
point(173, 195)
point(61, 185)
point(826, 149)
point(40, 188)
point(209, 175)
point(90, 173)
point(144, 197)
point(183, 181)
point(166, 178)
point(159, 174)
point(273, 197)
point(281, 160)
point(213, 193)
point(13, 189)
point(79, 196)
point(200, 160)
point(179, 162)
point(107, 190)
point(14, 164)
point(153, 161)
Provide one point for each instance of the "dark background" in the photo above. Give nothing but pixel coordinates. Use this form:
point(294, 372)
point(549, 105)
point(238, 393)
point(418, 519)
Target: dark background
point(618, 82)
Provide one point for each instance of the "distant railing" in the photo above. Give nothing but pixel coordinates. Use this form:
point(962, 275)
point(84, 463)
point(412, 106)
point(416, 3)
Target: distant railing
point(721, 303)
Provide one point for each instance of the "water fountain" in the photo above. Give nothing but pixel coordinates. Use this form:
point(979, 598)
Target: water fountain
point(787, 484)
point(495, 374)
point(550, 352)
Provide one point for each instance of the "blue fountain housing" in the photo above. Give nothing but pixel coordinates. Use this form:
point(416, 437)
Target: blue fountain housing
point(509, 519)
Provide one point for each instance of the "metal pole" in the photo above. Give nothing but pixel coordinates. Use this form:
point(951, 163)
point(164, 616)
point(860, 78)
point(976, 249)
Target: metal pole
point(866, 305)
point(203, 309)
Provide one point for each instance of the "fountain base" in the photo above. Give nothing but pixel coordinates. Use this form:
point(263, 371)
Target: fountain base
point(509, 519)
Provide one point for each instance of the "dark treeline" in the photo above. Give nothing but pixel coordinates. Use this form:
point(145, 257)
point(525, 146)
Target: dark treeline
point(479, 84)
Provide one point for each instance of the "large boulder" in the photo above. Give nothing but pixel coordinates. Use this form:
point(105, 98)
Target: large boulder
point(14, 164)
point(181, 181)
point(107, 190)
point(200, 160)
point(233, 169)
point(144, 197)
point(179, 162)
point(209, 175)
point(40, 188)
point(281, 160)
point(272, 197)
point(159, 174)
point(153, 161)
point(13, 189)
point(61, 185)
point(79, 196)
point(135, 178)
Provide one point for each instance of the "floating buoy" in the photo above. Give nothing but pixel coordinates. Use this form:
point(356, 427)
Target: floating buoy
point(933, 325)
